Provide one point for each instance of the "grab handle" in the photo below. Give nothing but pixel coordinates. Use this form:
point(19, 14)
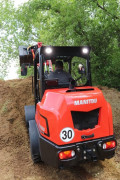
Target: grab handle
point(86, 137)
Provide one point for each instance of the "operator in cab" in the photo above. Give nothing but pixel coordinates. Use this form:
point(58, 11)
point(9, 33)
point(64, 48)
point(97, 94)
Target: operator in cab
point(62, 76)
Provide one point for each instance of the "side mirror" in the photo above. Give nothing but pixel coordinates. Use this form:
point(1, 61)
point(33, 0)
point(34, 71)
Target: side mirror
point(23, 70)
point(81, 69)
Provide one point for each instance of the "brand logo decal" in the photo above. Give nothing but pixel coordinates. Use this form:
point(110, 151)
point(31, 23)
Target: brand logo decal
point(85, 101)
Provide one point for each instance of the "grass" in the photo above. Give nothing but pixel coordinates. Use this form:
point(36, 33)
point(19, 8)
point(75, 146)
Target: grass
point(5, 107)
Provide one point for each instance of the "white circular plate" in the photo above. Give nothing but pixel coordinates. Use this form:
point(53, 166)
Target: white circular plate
point(67, 134)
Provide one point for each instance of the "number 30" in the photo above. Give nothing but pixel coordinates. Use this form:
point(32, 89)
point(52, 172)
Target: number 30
point(67, 134)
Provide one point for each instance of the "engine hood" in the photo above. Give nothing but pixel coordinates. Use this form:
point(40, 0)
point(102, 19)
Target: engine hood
point(83, 99)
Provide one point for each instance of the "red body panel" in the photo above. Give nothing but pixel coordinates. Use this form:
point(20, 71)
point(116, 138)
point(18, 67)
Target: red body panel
point(55, 109)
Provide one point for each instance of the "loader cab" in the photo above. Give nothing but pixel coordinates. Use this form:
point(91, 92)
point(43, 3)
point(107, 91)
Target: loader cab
point(76, 61)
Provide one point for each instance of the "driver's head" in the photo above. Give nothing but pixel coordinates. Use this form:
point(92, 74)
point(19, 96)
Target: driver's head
point(59, 65)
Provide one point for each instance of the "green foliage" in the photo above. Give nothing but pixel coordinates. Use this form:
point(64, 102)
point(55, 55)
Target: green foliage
point(7, 35)
point(59, 22)
point(5, 107)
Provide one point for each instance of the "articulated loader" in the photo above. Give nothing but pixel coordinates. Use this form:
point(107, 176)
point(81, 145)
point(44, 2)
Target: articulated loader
point(70, 122)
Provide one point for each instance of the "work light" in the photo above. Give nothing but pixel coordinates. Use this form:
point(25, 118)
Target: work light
point(85, 50)
point(48, 50)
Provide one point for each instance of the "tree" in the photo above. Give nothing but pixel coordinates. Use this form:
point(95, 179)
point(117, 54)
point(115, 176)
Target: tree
point(95, 23)
point(86, 22)
point(7, 35)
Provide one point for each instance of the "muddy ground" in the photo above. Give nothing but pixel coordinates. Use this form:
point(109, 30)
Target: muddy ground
point(15, 158)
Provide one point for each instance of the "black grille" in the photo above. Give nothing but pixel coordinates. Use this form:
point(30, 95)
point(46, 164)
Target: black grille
point(85, 120)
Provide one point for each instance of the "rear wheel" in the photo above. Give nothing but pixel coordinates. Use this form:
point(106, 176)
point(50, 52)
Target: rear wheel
point(29, 114)
point(34, 142)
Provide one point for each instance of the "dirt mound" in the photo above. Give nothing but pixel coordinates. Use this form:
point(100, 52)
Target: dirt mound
point(15, 160)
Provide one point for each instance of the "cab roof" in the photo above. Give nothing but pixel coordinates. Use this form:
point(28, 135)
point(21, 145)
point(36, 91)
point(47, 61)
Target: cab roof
point(65, 53)
point(51, 52)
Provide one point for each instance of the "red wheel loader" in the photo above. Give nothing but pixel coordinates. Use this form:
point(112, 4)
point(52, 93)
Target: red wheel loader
point(71, 121)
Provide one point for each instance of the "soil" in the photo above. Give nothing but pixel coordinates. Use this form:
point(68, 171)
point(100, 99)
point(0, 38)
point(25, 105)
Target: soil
point(15, 158)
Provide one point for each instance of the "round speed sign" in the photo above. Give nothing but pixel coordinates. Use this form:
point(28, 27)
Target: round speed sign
point(67, 134)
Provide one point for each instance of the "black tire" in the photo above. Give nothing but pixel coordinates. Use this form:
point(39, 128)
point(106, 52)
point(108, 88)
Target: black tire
point(34, 142)
point(29, 114)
